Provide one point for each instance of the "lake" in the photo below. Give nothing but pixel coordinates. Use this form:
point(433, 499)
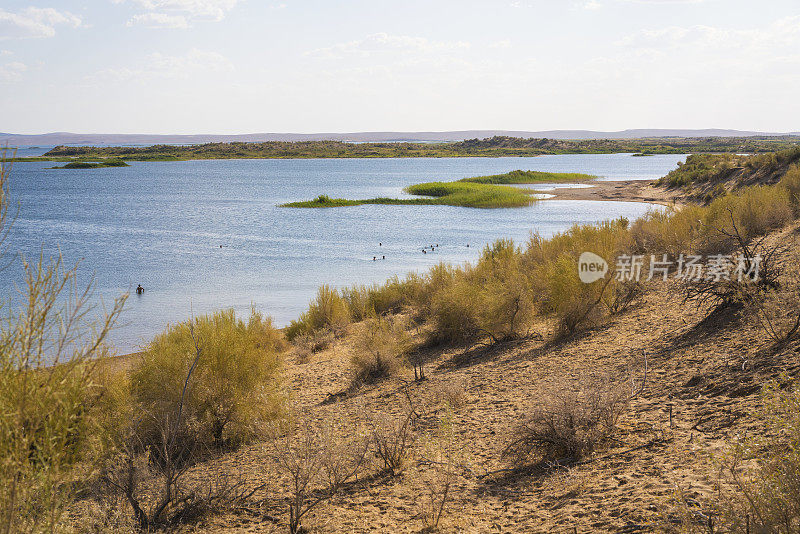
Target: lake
point(205, 235)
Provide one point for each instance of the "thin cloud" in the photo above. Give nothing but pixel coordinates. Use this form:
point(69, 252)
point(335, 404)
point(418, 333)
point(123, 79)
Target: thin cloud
point(165, 66)
point(12, 72)
point(34, 22)
point(178, 13)
point(384, 42)
point(159, 20)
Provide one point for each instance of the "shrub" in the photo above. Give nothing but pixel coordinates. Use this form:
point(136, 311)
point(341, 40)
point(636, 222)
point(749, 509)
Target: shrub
point(378, 348)
point(752, 212)
point(392, 437)
point(437, 482)
point(47, 425)
point(763, 469)
point(454, 312)
point(554, 273)
point(234, 386)
point(505, 300)
point(319, 461)
point(791, 182)
point(664, 231)
point(327, 310)
point(491, 299)
point(777, 310)
point(568, 423)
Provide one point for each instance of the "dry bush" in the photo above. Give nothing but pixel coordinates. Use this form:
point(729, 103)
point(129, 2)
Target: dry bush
point(777, 310)
point(622, 296)
point(319, 461)
point(327, 310)
point(306, 345)
point(453, 393)
point(438, 472)
point(759, 266)
point(378, 348)
point(49, 435)
point(392, 438)
point(235, 384)
point(761, 471)
point(568, 423)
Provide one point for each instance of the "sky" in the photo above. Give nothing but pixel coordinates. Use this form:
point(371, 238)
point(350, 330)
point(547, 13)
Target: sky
point(246, 66)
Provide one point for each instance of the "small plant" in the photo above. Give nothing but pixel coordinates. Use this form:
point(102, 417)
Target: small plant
point(319, 461)
point(569, 423)
point(378, 348)
point(763, 470)
point(438, 473)
point(392, 438)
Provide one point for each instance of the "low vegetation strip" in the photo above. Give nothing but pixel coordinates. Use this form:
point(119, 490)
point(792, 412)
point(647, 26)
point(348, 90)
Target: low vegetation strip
point(478, 192)
point(494, 146)
point(530, 177)
point(94, 165)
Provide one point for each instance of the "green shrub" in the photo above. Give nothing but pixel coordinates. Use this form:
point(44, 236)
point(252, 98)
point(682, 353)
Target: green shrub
point(553, 264)
point(327, 310)
point(48, 427)
point(454, 312)
point(233, 388)
point(755, 211)
point(670, 232)
point(504, 292)
point(791, 182)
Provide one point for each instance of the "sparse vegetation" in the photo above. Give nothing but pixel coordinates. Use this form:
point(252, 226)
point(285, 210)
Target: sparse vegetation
point(763, 470)
point(318, 463)
point(568, 424)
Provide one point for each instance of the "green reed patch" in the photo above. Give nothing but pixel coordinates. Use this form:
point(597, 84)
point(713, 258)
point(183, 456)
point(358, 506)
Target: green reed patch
point(477, 192)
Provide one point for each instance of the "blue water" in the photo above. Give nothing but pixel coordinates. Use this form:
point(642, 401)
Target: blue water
point(161, 225)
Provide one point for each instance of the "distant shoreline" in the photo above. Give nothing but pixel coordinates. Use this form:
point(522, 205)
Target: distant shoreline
point(500, 146)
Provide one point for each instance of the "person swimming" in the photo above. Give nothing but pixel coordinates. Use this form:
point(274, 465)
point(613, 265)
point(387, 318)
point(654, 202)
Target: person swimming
point(139, 289)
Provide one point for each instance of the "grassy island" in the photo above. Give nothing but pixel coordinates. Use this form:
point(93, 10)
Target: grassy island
point(93, 165)
point(493, 191)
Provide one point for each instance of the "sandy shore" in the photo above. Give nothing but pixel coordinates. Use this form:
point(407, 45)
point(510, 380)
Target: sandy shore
point(620, 191)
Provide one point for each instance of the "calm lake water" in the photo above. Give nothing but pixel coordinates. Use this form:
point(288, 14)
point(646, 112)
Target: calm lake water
point(206, 235)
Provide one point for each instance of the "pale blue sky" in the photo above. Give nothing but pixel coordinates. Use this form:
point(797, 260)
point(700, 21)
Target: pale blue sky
point(240, 66)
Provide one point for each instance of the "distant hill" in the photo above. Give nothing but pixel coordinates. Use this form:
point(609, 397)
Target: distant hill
point(67, 138)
